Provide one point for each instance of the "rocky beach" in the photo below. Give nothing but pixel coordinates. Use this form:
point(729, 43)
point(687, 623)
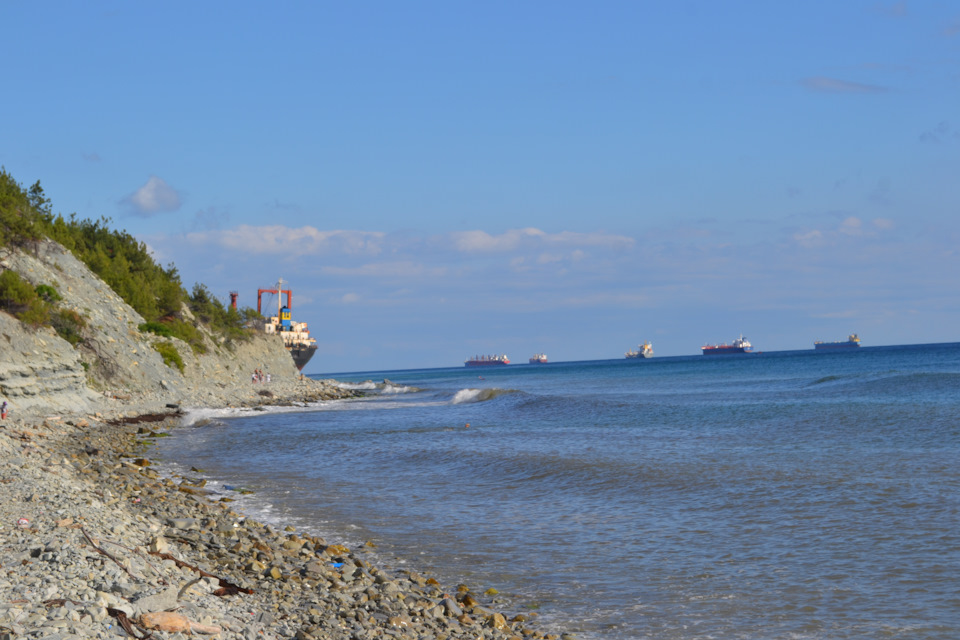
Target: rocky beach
point(94, 543)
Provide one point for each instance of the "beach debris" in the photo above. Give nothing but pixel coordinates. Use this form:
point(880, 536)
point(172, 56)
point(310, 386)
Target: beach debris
point(23, 523)
point(227, 588)
point(99, 550)
point(127, 625)
point(174, 622)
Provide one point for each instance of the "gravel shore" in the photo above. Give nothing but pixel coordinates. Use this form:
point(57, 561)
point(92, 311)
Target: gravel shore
point(95, 544)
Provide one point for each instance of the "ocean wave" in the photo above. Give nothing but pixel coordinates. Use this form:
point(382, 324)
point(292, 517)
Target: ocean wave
point(892, 381)
point(367, 385)
point(465, 396)
point(385, 387)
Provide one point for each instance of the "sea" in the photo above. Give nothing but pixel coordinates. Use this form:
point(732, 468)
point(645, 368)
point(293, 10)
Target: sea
point(796, 494)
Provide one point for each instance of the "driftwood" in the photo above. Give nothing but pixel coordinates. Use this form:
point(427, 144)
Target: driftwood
point(102, 552)
point(227, 588)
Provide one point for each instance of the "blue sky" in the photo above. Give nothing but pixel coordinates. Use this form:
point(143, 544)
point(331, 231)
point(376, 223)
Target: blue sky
point(442, 179)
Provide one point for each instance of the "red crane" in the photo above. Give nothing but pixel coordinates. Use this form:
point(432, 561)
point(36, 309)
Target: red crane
point(279, 292)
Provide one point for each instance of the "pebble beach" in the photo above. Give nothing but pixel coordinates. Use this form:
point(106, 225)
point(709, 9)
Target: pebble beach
point(94, 543)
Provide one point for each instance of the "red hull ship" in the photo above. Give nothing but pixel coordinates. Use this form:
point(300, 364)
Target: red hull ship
point(487, 361)
point(740, 345)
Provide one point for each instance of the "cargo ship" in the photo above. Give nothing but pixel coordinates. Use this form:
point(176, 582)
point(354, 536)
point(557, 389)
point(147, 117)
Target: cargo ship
point(644, 350)
point(852, 342)
point(295, 335)
point(740, 345)
point(539, 358)
point(487, 361)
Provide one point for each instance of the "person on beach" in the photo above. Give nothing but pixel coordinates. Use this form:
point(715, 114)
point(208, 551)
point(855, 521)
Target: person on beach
point(3, 410)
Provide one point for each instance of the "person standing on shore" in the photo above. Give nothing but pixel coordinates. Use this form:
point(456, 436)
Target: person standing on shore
point(3, 410)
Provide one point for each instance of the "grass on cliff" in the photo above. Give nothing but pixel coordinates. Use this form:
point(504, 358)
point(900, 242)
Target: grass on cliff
point(37, 306)
point(120, 260)
point(171, 357)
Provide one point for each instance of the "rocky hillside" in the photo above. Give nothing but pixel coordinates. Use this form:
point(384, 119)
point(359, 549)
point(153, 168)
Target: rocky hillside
point(116, 367)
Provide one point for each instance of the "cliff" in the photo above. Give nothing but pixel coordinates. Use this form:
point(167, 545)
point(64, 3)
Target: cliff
point(116, 367)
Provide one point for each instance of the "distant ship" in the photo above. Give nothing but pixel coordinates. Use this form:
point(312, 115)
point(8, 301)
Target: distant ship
point(852, 342)
point(539, 358)
point(487, 361)
point(295, 335)
point(740, 345)
point(644, 350)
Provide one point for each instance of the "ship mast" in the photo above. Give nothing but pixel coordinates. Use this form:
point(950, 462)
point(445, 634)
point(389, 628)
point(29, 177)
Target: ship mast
point(279, 300)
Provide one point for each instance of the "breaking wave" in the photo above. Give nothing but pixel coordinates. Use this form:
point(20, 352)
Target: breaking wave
point(465, 396)
point(385, 387)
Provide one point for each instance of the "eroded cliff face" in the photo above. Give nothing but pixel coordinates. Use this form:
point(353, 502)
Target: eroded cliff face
point(117, 365)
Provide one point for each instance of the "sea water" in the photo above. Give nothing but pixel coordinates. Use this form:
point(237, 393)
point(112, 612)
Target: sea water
point(776, 495)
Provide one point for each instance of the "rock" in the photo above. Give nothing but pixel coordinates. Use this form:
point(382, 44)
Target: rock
point(166, 599)
point(497, 621)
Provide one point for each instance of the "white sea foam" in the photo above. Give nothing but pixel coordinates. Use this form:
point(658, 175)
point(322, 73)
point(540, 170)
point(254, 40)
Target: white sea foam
point(202, 416)
point(471, 395)
point(368, 385)
point(398, 388)
point(385, 387)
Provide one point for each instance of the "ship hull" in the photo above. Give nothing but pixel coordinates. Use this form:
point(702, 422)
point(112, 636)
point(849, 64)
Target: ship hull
point(301, 354)
point(830, 346)
point(486, 363)
point(639, 356)
point(725, 351)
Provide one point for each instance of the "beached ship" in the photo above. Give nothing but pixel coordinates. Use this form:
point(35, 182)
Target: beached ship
point(852, 342)
point(644, 350)
point(740, 345)
point(295, 335)
point(487, 361)
point(539, 358)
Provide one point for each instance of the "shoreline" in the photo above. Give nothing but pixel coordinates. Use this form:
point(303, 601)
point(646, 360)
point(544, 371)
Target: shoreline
point(92, 539)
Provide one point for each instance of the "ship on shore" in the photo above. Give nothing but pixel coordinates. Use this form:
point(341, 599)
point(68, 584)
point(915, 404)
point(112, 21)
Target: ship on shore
point(295, 335)
point(740, 345)
point(644, 350)
point(487, 361)
point(852, 342)
point(539, 358)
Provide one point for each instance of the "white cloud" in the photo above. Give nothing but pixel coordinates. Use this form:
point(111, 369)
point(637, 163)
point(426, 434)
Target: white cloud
point(547, 258)
point(811, 238)
point(401, 269)
point(851, 227)
point(628, 300)
point(481, 241)
point(156, 196)
point(514, 239)
point(821, 84)
point(290, 241)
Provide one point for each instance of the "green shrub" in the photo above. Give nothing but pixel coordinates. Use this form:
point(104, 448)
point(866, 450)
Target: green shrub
point(16, 294)
point(36, 314)
point(48, 293)
point(68, 325)
point(171, 357)
point(157, 328)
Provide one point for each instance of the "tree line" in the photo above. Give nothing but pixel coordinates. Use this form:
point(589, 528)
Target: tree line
point(119, 259)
